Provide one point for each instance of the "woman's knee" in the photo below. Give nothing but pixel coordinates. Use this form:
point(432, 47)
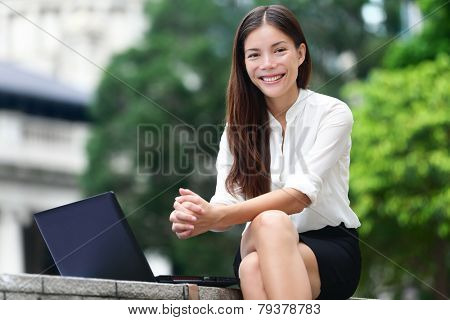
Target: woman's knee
point(273, 222)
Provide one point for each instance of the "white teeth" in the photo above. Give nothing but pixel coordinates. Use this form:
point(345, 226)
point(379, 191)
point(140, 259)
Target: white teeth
point(272, 79)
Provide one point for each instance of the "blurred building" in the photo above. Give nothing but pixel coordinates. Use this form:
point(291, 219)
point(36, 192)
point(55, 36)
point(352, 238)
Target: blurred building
point(51, 54)
point(67, 39)
point(43, 132)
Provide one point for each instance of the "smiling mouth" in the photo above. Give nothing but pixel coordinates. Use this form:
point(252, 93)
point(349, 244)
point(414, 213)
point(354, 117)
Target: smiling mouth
point(272, 78)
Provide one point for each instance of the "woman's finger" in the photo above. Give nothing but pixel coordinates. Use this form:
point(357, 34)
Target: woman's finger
point(184, 235)
point(177, 217)
point(185, 192)
point(182, 217)
point(193, 207)
point(179, 207)
point(191, 198)
point(181, 227)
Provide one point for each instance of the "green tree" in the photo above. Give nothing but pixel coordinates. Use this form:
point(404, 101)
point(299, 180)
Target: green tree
point(400, 167)
point(431, 41)
point(400, 178)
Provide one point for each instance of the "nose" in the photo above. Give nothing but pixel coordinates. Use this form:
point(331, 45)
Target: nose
point(267, 62)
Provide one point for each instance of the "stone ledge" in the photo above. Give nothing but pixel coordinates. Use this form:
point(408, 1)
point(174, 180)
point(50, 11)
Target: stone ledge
point(42, 287)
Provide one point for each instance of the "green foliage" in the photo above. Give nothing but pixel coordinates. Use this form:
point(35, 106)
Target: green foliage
point(432, 40)
point(400, 175)
point(400, 163)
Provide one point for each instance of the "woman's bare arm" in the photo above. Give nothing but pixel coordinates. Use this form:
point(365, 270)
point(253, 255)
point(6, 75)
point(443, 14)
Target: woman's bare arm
point(288, 200)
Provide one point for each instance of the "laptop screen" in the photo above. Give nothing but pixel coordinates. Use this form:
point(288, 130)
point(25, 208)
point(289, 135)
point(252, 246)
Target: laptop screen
point(91, 238)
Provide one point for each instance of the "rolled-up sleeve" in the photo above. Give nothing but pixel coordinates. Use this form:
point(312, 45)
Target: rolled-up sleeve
point(333, 137)
point(223, 166)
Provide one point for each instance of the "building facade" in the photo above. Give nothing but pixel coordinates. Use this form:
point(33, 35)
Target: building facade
point(52, 53)
point(43, 132)
point(66, 39)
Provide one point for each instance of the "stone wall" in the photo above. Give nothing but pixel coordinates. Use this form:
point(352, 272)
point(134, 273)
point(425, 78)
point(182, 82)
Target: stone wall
point(39, 287)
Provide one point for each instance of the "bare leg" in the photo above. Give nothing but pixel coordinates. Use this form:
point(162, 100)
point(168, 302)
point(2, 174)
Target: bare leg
point(251, 281)
point(311, 267)
point(282, 267)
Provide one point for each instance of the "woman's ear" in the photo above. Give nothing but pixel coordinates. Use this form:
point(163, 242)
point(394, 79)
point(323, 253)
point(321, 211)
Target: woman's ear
point(301, 52)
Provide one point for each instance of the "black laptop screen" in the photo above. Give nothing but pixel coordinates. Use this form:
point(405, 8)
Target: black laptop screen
point(91, 238)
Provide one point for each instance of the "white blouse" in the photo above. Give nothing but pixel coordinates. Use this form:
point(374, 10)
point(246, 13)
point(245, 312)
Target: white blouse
point(314, 159)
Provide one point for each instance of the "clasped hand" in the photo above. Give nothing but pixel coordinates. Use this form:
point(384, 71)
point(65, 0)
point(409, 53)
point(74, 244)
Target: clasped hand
point(193, 215)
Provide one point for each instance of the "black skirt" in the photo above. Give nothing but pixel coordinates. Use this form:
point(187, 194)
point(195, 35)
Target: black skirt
point(338, 257)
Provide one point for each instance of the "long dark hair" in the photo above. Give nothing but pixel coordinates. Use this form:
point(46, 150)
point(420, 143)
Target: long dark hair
point(247, 115)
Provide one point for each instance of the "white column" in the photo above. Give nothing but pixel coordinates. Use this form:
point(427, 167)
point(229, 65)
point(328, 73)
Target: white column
point(11, 243)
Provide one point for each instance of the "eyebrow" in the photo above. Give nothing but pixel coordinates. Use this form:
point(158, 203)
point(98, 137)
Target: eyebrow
point(274, 45)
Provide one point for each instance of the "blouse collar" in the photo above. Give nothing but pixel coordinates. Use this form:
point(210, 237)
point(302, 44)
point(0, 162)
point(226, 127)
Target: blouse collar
point(295, 110)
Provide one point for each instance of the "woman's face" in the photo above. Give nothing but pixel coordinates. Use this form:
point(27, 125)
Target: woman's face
point(272, 62)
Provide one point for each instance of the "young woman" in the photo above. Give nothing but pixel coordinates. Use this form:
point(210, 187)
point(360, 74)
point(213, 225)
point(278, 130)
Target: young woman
point(283, 168)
